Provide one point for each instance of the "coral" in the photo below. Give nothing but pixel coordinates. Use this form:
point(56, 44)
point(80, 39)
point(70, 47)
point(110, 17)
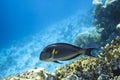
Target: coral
point(104, 67)
point(101, 3)
point(90, 68)
point(108, 2)
point(118, 28)
point(88, 39)
point(107, 17)
point(97, 2)
point(33, 74)
point(115, 78)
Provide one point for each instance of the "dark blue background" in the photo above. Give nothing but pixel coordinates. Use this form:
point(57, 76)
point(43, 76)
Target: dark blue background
point(20, 18)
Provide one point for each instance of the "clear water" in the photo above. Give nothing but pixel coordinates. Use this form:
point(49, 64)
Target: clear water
point(27, 26)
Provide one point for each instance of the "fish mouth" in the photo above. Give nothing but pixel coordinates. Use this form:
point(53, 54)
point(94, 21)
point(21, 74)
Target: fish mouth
point(41, 58)
point(44, 56)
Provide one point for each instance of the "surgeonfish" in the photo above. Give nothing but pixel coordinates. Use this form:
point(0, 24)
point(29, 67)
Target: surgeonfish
point(63, 51)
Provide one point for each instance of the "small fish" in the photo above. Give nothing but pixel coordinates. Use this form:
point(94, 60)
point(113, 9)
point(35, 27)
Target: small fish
point(63, 51)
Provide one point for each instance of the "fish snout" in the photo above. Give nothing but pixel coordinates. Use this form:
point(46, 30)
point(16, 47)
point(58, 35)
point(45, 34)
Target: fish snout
point(44, 56)
point(41, 54)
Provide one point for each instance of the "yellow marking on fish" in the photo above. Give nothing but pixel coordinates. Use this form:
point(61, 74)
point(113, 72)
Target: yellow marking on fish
point(54, 51)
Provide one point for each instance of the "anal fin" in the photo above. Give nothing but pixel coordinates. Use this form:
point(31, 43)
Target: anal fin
point(57, 62)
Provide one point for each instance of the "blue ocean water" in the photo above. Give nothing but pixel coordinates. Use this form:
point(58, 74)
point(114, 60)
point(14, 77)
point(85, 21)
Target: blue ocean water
point(28, 26)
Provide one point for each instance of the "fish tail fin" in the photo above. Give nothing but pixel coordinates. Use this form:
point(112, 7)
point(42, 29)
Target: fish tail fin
point(88, 52)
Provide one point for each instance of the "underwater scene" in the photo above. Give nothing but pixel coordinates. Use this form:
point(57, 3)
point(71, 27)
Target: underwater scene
point(60, 40)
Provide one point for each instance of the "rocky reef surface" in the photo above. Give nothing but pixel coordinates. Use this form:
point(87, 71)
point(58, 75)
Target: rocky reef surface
point(105, 67)
point(33, 74)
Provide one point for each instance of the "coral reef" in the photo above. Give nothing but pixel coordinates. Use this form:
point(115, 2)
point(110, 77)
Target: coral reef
point(97, 2)
point(33, 74)
point(107, 25)
point(105, 67)
point(101, 3)
point(90, 38)
point(118, 28)
point(107, 17)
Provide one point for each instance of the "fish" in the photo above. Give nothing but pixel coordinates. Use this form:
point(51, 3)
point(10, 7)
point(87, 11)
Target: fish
point(63, 51)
